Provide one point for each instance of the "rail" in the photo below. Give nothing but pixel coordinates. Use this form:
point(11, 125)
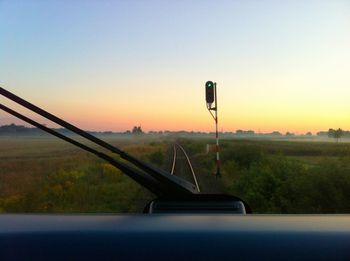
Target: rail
point(175, 157)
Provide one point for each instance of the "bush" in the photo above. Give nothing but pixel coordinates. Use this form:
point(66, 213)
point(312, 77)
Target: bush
point(244, 156)
point(277, 184)
point(156, 157)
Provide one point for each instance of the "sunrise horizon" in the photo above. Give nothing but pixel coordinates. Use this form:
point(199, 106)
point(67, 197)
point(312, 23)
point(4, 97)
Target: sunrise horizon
point(114, 65)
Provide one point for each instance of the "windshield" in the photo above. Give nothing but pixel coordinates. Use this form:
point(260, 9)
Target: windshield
point(240, 98)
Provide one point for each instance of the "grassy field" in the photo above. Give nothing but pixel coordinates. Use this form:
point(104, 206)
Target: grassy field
point(47, 175)
point(274, 176)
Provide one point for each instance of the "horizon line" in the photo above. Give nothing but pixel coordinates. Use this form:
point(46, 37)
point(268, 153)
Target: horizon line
point(237, 131)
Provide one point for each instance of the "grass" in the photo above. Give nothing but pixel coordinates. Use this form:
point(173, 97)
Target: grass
point(44, 174)
point(279, 176)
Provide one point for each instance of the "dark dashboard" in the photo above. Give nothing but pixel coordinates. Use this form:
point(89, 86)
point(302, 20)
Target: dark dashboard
point(174, 237)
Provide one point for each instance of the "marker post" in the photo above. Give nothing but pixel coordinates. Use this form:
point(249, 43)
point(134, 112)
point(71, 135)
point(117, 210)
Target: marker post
point(211, 97)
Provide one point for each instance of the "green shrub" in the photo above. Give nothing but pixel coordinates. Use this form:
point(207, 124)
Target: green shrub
point(156, 157)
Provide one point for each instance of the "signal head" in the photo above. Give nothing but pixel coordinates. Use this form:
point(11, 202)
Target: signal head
point(209, 92)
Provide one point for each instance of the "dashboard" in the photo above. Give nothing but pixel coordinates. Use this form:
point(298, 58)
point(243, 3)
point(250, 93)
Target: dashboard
point(174, 237)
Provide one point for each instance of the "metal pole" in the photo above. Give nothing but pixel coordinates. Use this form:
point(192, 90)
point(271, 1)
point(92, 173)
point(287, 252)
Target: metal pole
point(217, 135)
point(210, 92)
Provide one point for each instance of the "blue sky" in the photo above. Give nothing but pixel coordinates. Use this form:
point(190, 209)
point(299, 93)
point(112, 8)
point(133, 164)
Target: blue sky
point(279, 64)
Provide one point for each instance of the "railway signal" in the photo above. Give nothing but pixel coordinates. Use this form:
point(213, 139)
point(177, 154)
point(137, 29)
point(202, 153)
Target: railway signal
point(209, 92)
point(211, 97)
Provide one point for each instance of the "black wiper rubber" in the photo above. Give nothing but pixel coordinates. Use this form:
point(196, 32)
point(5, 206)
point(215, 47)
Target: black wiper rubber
point(174, 184)
point(147, 181)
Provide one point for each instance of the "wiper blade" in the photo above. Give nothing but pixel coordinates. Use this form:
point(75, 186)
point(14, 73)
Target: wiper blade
point(134, 173)
point(174, 185)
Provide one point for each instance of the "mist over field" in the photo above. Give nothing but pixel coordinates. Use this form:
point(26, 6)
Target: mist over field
point(13, 130)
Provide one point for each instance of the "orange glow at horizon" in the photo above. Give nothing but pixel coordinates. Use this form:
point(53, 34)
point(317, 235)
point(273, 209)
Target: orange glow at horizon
point(104, 70)
point(283, 110)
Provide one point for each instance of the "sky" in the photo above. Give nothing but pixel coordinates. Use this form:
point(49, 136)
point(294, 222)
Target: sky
point(111, 65)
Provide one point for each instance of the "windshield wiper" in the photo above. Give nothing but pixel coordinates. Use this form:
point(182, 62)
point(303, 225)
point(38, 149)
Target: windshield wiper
point(175, 195)
point(134, 173)
point(160, 182)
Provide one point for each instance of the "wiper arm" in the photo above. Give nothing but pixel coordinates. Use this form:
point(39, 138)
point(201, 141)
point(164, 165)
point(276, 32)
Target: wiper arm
point(147, 181)
point(174, 185)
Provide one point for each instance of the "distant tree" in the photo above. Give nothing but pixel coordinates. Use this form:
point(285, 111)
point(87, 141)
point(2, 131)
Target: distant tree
point(245, 133)
point(137, 130)
point(322, 133)
point(276, 133)
point(239, 132)
point(308, 133)
point(336, 134)
point(289, 134)
point(250, 132)
point(14, 129)
point(331, 133)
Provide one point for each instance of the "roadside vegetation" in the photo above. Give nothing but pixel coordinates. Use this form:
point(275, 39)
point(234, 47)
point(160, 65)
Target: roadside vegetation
point(283, 176)
point(273, 176)
point(47, 175)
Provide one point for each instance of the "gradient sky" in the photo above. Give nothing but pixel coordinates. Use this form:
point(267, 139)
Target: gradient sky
point(110, 65)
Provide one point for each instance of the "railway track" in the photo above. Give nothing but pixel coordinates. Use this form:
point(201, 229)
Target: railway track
point(178, 160)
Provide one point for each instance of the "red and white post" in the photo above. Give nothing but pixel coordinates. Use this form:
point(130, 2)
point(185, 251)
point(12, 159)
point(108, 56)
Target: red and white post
point(217, 135)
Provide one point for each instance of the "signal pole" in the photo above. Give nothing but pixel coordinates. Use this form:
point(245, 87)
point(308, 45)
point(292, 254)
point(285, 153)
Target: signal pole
point(211, 97)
